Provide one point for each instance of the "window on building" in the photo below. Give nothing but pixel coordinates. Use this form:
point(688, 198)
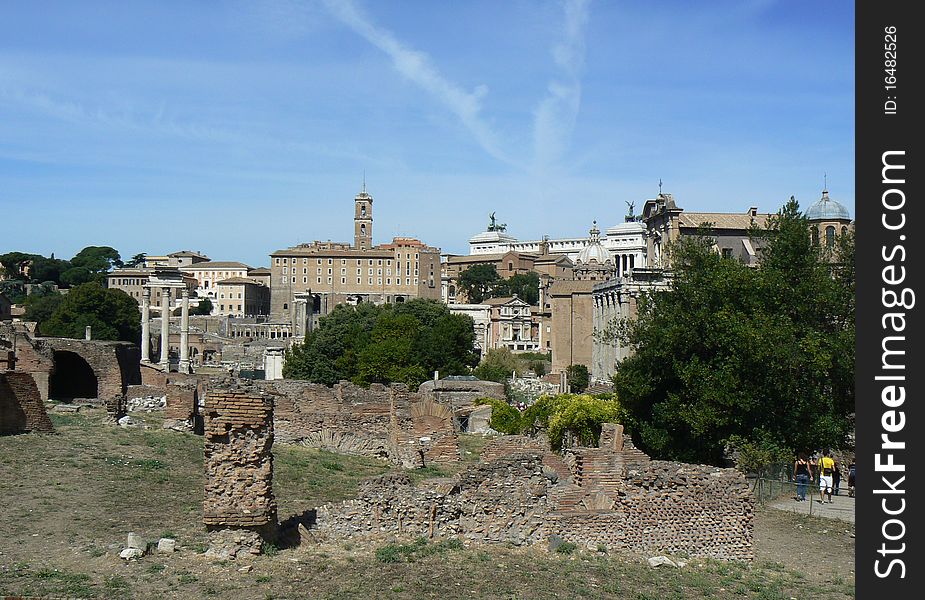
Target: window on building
point(830, 236)
point(727, 252)
point(815, 233)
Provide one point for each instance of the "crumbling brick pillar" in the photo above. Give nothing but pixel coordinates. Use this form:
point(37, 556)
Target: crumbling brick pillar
point(239, 507)
point(21, 407)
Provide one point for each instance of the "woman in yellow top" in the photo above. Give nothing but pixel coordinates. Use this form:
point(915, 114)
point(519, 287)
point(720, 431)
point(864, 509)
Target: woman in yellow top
point(826, 472)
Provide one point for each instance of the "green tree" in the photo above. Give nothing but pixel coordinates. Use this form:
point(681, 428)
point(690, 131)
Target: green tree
point(112, 314)
point(91, 264)
point(578, 378)
point(13, 262)
point(48, 269)
point(478, 281)
point(14, 290)
point(203, 308)
point(504, 417)
point(578, 419)
point(498, 365)
point(379, 344)
point(730, 352)
point(39, 308)
point(136, 260)
point(525, 286)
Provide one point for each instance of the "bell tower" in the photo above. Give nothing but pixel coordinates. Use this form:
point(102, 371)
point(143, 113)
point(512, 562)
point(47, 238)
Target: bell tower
point(363, 220)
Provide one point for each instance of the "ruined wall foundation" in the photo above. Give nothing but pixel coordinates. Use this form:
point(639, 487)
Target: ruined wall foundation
point(611, 496)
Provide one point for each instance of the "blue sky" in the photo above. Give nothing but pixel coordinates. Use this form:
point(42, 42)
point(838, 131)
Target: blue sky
point(238, 128)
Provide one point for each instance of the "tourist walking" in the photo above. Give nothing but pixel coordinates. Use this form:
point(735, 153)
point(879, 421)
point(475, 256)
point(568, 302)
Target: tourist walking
point(852, 473)
point(802, 474)
point(826, 474)
point(836, 478)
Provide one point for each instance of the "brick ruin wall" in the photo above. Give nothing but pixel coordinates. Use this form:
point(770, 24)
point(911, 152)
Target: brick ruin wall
point(507, 445)
point(345, 418)
point(21, 407)
point(616, 498)
point(114, 364)
point(461, 395)
point(239, 461)
point(422, 433)
point(388, 422)
point(504, 501)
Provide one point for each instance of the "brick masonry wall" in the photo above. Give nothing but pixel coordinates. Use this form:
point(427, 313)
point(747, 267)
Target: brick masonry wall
point(238, 458)
point(182, 401)
point(21, 407)
point(421, 433)
point(503, 501)
point(344, 418)
point(508, 445)
point(616, 498)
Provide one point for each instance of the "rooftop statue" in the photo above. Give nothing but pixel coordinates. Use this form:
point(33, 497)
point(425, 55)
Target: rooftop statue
point(493, 225)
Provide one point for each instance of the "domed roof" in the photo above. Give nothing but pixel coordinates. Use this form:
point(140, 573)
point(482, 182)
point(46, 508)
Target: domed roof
point(626, 228)
point(594, 251)
point(826, 209)
point(492, 236)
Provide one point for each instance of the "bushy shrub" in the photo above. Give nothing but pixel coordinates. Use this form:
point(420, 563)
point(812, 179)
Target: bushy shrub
point(504, 417)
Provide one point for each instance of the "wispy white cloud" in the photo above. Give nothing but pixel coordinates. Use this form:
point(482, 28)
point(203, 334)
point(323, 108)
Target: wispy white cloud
point(555, 117)
point(418, 67)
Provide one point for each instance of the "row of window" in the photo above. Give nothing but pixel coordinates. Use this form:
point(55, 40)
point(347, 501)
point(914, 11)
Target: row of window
point(343, 280)
point(343, 271)
point(343, 261)
point(129, 281)
point(829, 235)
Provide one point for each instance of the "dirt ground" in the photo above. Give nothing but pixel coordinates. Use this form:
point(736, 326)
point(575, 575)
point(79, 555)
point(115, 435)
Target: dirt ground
point(70, 499)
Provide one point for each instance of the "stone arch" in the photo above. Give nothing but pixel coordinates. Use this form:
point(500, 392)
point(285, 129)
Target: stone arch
point(71, 377)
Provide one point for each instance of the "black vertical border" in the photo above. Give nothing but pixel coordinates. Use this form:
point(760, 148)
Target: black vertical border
point(876, 133)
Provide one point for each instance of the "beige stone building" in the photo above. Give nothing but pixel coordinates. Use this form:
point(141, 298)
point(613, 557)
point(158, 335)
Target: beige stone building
point(174, 260)
point(512, 325)
point(666, 223)
point(241, 297)
point(310, 279)
point(209, 273)
point(133, 281)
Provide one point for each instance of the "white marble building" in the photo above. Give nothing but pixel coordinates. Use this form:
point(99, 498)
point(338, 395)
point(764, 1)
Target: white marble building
point(626, 241)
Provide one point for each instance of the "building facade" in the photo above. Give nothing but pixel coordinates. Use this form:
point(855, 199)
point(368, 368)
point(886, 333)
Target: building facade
point(325, 274)
point(241, 297)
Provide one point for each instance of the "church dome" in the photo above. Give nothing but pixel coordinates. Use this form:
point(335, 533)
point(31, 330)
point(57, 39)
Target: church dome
point(826, 209)
point(594, 252)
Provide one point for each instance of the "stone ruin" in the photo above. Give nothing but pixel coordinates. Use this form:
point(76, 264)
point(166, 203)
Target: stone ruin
point(21, 407)
point(389, 422)
point(422, 433)
point(67, 369)
point(613, 497)
point(521, 492)
point(239, 508)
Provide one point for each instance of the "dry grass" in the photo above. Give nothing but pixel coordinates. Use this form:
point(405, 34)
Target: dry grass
point(70, 499)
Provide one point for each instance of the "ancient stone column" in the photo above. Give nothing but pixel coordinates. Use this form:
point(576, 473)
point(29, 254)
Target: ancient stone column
point(146, 325)
point(184, 333)
point(165, 328)
point(239, 508)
